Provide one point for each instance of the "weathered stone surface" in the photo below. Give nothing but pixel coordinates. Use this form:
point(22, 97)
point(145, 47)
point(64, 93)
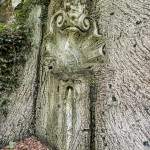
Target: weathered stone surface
point(72, 46)
point(120, 110)
point(92, 96)
point(122, 107)
point(20, 112)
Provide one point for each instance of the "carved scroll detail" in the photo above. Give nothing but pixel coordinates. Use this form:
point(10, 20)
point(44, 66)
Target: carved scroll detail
point(74, 16)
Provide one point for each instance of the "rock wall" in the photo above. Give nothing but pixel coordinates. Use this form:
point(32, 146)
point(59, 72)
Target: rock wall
point(89, 82)
point(18, 121)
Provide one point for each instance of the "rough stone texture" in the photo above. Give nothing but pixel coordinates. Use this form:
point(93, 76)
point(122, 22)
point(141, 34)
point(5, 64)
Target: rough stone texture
point(20, 115)
point(108, 108)
point(64, 113)
point(123, 99)
point(120, 111)
point(14, 48)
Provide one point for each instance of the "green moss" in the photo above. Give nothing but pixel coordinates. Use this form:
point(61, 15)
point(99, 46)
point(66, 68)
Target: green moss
point(13, 54)
point(92, 80)
point(8, 27)
point(22, 11)
point(14, 50)
point(2, 27)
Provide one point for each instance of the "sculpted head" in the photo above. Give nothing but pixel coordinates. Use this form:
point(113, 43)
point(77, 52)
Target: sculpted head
point(74, 40)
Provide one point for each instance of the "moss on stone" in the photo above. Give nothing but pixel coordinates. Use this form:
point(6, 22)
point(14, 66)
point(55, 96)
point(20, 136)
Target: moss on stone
point(4, 106)
point(14, 50)
point(2, 27)
point(14, 47)
point(22, 12)
point(8, 27)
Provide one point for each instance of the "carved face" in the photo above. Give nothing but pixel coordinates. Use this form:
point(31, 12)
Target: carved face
point(64, 51)
point(72, 52)
point(74, 39)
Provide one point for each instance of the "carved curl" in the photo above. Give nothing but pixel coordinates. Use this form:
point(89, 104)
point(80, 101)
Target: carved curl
point(84, 23)
point(73, 16)
point(73, 40)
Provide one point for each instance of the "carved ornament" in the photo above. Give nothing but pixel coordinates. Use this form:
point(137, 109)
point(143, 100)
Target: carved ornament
point(74, 42)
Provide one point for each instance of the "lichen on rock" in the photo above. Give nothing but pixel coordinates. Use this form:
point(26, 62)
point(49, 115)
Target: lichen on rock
point(14, 48)
point(13, 54)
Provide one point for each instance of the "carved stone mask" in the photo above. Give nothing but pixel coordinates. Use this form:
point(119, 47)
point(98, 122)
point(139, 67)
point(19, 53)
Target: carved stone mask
point(74, 42)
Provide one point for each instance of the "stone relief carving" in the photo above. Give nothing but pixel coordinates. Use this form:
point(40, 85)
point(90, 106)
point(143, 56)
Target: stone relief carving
point(74, 16)
point(71, 49)
point(73, 43)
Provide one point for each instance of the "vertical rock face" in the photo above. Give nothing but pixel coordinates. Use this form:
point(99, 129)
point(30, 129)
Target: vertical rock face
point(20, 113)
point(72, 47)
point(122, 107)
point(117, 113)
point(93, 93)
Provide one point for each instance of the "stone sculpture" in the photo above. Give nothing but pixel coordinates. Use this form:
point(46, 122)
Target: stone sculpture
point(71, 49)
point(73, 42)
